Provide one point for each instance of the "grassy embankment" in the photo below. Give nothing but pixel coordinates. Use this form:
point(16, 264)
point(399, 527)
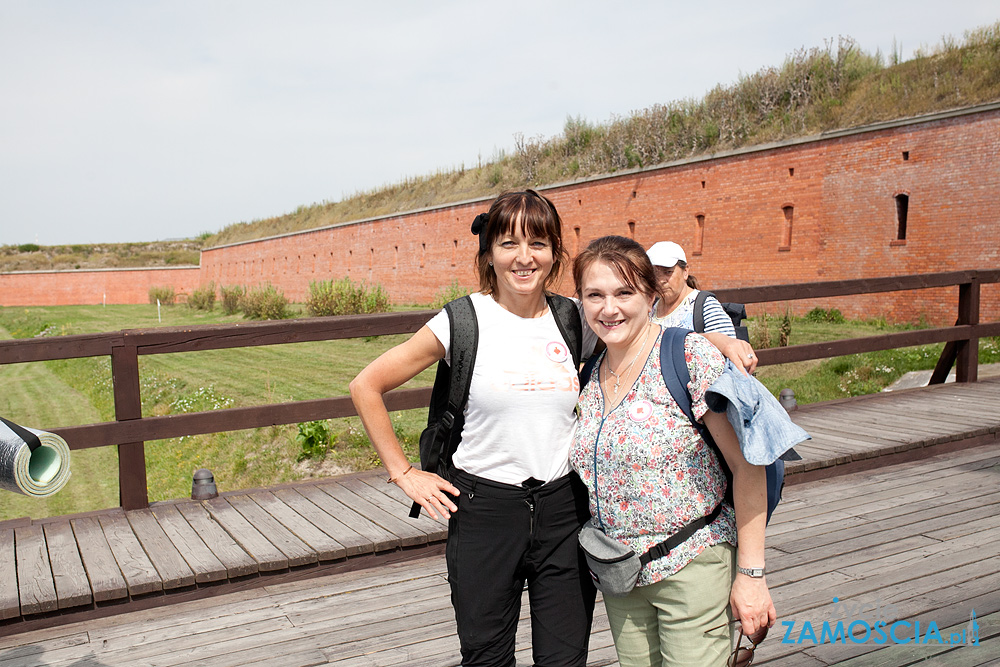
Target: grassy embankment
point(32, 257)
point(814, 90)
point(64, 393)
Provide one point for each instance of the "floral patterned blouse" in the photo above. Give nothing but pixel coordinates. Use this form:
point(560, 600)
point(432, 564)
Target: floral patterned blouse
point(654, 472)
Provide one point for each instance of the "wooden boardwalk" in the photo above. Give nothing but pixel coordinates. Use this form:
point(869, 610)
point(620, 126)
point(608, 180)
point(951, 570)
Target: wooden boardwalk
point(916, 542)
point(55, 571)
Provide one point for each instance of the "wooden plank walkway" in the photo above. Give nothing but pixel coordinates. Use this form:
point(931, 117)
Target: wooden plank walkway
point(56, 570)
point(916, 542)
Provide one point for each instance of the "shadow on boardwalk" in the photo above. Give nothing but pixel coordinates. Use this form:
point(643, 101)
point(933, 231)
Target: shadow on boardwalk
point(916, 541)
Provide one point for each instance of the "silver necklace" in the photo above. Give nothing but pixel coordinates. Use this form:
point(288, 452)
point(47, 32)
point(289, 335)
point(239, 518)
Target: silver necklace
point(618, 378)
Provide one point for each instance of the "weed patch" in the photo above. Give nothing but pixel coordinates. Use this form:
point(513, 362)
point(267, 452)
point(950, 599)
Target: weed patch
point(449, 293)
point(231, 297)
point(202, 298)
point(314, 438)
point(345, 297)
point(164, 295)
point(265, 302)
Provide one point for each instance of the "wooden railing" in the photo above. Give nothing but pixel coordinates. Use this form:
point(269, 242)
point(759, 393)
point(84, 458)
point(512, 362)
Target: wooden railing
point(131, 430)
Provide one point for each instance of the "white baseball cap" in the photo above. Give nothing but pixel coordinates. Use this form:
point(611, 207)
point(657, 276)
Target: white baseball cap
point(666, 254)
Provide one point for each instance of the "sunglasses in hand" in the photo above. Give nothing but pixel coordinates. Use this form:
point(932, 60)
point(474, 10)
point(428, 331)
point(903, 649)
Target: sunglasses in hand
point(743, 656)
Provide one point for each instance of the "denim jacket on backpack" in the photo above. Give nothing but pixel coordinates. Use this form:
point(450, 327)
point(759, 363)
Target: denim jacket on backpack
point(762, 426)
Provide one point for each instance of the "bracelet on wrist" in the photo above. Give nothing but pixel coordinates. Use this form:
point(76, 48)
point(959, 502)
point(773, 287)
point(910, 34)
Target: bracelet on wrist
point(396, 478)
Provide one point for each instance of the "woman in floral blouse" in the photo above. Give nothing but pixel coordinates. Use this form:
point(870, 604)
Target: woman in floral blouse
point(650, 473)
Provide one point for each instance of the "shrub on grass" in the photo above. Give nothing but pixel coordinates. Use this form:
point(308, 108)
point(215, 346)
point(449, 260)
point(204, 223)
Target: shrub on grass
point(833, 316)
point(202, 298)
point(264, 303)
point(449, 293)
point(231, 297)
point(164, 294)
point(344, 297)
point(314, 438)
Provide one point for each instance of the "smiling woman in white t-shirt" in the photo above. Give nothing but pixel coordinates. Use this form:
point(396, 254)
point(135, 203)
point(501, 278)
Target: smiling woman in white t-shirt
point(513, 505)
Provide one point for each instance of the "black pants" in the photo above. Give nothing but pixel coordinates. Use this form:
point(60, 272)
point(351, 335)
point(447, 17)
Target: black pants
point(502, 536)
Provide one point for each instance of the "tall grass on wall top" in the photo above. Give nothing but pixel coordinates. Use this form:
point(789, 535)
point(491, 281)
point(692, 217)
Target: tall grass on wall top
point(264, 302)
point(814, 90)
point(344, 297)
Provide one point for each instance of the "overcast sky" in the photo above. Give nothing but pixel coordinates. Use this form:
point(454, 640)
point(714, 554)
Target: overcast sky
point(142, 120)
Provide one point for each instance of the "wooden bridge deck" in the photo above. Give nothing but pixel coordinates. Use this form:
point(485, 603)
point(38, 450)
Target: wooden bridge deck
point(60, 570)
point(915, 541)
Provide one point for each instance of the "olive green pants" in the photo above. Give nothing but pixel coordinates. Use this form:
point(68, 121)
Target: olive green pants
point(681, 620)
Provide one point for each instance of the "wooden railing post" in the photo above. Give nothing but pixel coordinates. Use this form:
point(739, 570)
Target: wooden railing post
point(128, 406)
point(967, 359)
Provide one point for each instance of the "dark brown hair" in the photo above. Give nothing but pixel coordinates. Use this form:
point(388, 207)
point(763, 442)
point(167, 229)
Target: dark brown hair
point(692, 282)
point(628, 258)
point(537, 216)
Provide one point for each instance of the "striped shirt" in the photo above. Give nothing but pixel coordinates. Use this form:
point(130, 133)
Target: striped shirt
point(716, 319)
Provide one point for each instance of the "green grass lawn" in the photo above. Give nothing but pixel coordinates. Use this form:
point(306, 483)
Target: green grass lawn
point(188, 382)
point(79, 391)
point(852, 375)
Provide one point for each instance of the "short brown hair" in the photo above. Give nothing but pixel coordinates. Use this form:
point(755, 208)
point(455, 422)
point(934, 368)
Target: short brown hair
point(537, 216)
point(628, 258)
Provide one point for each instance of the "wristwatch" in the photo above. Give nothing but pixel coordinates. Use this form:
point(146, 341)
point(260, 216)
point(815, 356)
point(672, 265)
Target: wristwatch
point(755, 572)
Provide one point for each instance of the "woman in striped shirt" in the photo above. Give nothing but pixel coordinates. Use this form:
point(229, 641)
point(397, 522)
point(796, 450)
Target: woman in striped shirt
point(678, 289)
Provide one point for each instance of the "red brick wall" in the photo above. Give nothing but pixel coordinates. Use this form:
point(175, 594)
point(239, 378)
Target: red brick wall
point(841, 188)
point(57, 288)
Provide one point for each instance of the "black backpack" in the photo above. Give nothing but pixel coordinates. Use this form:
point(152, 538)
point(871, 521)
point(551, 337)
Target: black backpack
point(446, 414)
point(737, 313)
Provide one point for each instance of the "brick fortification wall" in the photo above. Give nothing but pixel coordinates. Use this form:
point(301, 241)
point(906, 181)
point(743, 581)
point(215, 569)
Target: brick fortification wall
point(58, 288)
point(818, 208)
point(821, 208)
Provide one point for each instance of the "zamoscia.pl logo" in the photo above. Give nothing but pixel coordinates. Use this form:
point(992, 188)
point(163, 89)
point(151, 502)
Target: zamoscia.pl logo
point(872, 623)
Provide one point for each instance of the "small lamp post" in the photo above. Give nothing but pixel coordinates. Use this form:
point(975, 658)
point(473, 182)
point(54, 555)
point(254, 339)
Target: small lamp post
point(787, 399)
point(203, 485)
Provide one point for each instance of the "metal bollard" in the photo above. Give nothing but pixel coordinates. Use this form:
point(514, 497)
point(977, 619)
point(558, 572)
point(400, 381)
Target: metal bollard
point(787, 399)
point(203, 485)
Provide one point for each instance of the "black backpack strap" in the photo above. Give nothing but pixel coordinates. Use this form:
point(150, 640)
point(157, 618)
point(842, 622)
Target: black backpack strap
point(464, 328)
point(24, 434)
point(699, 311)
point(737, 313)
point(453, 379)
point(666, 546)
point(588, 369)
point(567, 316)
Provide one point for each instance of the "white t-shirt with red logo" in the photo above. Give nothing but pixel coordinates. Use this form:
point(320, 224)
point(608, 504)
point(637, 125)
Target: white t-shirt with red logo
point(520, 419)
